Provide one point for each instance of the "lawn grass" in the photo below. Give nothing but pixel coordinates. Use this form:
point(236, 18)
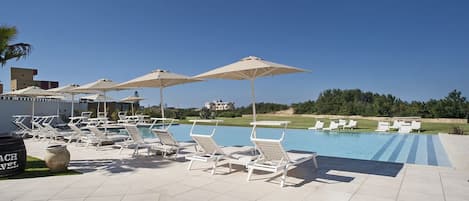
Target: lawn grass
point(299, 122)
point(36, 167)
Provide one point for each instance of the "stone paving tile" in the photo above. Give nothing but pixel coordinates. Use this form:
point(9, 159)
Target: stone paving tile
point(414, 196)
point(378, 191)
point(197, 181)
point(369, 198)
point(389, 182)
point(252, 191)
point(174, 189)
point(286, 194)
point(11, 195)
point(105, 198)
point(342, 187)
point(142, 197)
point(428, 188)
point(219, 186)
point(43, 194)
point(197, 194)
point(111, 190)
point(74, 193)
point(323, 195)
point(225, 198)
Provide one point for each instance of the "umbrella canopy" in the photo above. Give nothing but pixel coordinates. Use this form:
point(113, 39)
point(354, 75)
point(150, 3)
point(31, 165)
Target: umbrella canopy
point(32, 91)
point(102, 85)
point(98, 85)
point(97, 97)
point(250, 68)
point(158, 79)
point(71, 89)
point(131, 100)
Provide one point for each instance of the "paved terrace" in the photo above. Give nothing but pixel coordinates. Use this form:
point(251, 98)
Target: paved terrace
point(110, 176)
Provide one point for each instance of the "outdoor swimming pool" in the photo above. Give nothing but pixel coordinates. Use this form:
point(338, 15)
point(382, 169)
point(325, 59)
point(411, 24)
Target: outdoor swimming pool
point(403, 148)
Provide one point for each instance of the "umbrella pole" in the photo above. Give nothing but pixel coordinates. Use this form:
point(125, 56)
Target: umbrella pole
point(73, 100)
point(253, 101)
point(161, 104)
point(32, 116)
point(58, 109)
point(105, 112)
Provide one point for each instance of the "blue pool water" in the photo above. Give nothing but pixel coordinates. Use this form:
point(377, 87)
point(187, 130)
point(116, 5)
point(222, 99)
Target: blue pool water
point(403, 148)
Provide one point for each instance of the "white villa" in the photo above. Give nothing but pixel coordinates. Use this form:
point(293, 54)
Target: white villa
point(219, 105)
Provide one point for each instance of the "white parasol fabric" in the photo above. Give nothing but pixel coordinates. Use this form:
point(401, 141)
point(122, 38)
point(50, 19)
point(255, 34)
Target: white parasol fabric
point(249, 68)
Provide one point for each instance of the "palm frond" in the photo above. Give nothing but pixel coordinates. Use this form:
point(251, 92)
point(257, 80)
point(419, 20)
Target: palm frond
point(15, 51)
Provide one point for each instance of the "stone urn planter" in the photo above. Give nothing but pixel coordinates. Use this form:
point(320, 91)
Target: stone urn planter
point(57, 158)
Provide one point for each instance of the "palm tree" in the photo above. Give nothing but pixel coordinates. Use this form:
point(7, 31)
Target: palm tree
point(13, 51)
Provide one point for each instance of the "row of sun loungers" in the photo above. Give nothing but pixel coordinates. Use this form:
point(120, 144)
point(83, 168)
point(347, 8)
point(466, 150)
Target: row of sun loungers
point(400, 126)
point(266, 154)
point(335, 125)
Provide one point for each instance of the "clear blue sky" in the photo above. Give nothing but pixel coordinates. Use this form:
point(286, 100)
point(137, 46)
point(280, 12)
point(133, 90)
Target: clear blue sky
point(415, 50)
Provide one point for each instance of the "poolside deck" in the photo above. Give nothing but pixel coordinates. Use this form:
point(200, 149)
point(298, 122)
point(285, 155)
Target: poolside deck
point(110, 176)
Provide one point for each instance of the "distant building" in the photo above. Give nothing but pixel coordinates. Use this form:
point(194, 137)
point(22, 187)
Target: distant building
point(219, 105)
point(1, 88)
point(24, 77)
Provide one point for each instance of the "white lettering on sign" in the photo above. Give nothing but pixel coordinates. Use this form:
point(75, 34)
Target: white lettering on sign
point(9, 161)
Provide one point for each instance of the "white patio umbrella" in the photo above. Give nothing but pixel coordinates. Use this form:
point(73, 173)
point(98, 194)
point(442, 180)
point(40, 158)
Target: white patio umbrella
point(131, 100)
point(249, 68)
point(102, 85)
point(158, 79)
point(98, 98)
point(32, 91)
point(70, 89)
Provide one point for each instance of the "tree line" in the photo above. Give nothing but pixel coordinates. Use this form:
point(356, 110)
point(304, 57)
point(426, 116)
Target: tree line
point(342, 102)
point(357, 102)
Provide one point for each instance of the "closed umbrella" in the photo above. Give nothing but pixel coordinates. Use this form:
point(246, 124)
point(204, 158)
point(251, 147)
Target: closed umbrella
point(158, 79)
point(249, 68)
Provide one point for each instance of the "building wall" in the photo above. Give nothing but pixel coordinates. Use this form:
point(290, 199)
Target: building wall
point(219, 105)
point(24, 77)
point(10, 106)
point(1, 88)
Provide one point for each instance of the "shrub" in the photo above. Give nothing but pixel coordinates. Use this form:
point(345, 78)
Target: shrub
point(229, 114)
point(456, 130)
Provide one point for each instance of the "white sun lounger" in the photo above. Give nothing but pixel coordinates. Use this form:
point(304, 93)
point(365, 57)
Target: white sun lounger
point(416, 125)
point(136, 140)
point(210, 152)
point(273, 157)
point(39, 131)
point(332, 126)
point(318, 126)
point(18, 121)
point(405, 128)
point(382, 127)
point(100, 137)
point(168, 144)
point(396, 124)
point(80, 135)
point(351, 124)
point(56, 134)
point(342, 123)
